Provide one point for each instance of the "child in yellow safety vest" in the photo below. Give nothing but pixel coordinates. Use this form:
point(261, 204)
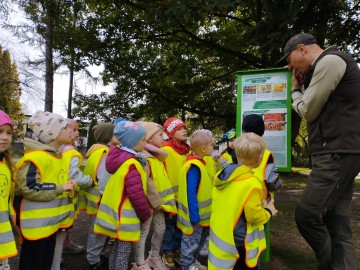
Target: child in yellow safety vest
point(159, 177)
point(95, 167)
point(124, 207)
point(74, 160)
point(237, 235)
point(46, 191)
point(7, 189)
point(177, 150)
point(194, 200)
point(228, 154)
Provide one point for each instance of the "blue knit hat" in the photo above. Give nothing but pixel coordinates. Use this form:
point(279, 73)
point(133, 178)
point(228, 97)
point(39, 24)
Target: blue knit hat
point(129, 133)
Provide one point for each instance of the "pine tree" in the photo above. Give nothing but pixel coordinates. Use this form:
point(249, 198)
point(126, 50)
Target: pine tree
point(10, 92)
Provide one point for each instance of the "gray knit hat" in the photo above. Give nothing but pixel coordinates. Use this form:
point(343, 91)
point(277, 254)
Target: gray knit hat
point(103, 132)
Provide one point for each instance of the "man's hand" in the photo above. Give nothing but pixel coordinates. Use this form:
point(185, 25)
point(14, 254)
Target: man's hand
point(298, 79)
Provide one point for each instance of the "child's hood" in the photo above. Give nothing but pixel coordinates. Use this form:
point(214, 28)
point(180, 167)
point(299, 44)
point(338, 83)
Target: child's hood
point(230, 173)
point(116, 157)
point(95, 147)
point(32, 145)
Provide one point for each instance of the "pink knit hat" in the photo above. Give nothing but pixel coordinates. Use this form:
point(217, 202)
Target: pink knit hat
point(5, 119)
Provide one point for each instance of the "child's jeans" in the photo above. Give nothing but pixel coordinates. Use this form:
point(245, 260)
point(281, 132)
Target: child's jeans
point(192, 244)
point(95, 243)
point(172, 236)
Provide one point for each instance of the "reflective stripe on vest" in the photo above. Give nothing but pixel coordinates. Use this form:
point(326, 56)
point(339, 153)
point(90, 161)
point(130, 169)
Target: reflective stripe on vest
point(68, 155)
point(255, 238)
point(220, 246)
point(122, 223)
point(222, 250)
point(41, 219)
point(7, 240)
point(92, 194)
point(173, 163)
point(259, 171)
point(203, 197)
point(163, 185)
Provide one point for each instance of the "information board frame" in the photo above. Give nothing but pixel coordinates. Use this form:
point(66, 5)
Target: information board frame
point(267, 92)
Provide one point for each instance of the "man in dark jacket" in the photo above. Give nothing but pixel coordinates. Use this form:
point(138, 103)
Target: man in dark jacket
point(326, 93)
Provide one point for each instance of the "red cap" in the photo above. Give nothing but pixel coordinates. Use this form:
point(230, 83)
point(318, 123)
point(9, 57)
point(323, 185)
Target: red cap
point(173, 124)
point(5, 119)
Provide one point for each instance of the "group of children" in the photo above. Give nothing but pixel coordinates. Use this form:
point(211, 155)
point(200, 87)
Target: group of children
point(134, 179)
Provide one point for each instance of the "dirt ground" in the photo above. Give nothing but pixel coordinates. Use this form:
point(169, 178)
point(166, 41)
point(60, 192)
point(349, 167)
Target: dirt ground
point(280, 258)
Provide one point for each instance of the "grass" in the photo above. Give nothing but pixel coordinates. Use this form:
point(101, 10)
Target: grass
point(288, 250)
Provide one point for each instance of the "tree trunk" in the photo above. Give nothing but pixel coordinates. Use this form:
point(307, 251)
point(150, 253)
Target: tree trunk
point(71, 86)
point(49, 75)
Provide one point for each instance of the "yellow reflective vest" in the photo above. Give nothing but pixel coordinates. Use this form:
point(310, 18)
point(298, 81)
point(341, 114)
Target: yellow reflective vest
point(227, 207)
point(162, 184)
point(173, 163)
point(92, 193)
point(79, 195)
point(228, 157)
point(259, 172)
point(212, 165)
point(39, 219)
point(7, 214)
point(203, 198)
point(115, 220)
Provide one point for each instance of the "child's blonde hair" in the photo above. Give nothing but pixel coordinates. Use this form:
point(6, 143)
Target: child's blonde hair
point(199, 139)
point(248, 148)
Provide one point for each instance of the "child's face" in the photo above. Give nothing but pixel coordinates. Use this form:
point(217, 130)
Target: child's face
point(208, 148)
point(75, 128)
point(180, 135)
point(140, 146)
point(231, 143)
point(5, 137)
point(157, 139)
point(64, 136)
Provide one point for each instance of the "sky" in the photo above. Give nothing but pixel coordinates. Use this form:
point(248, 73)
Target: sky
point(21, 51)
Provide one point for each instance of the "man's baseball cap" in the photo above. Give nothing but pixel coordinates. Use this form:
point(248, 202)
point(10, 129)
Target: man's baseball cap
point(294, 42)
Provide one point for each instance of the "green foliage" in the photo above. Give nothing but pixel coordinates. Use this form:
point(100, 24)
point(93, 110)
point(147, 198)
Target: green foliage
point(181, 57)
point(104, 107)
point(10, 92)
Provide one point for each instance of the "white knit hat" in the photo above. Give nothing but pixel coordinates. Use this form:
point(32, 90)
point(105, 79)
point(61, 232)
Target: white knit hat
point(47, 126)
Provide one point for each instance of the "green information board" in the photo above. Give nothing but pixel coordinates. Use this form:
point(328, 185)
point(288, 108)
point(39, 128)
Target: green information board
point(267, 92)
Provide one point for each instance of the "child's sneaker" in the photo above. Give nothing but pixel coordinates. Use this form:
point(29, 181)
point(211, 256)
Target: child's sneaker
point(144, 266)
point(199, 265)
point(168, 259)
point(156, 262)
point(193, 267)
